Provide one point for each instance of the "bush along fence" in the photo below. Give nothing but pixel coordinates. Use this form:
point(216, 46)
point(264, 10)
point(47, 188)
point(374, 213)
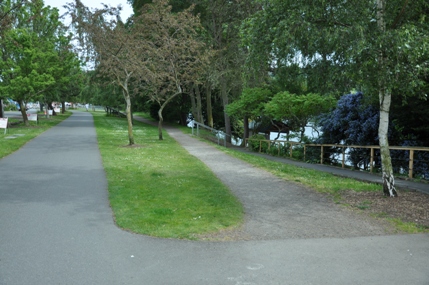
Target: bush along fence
point(412, 161)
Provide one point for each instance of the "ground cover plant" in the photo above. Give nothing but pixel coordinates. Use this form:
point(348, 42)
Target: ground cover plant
point(18, 134)
point(157, 188)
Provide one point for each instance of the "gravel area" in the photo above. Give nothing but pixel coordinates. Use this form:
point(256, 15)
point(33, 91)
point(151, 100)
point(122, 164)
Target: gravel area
point(278, 209)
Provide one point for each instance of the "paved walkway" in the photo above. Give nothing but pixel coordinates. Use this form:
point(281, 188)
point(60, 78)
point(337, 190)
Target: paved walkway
point(56, 227)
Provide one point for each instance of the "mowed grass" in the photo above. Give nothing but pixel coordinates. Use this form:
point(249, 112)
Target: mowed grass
point(22, 134)
point(158, 188)
point(320, 181)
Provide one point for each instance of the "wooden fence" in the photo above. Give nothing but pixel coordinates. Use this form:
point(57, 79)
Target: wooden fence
point(278, 143)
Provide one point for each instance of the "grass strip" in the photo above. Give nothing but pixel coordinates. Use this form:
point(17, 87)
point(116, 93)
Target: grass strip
point(19, 134)
point(324, 183)
point(157, 188)
point(320, 181)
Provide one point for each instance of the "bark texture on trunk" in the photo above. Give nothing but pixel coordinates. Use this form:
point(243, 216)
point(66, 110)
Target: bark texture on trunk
point(224, 94)
point(161, 119)
point(386, 162)
point(23, 112)
point(127, 98)
point(246, 129)
point(193, 104)
point(209, 106)
point(1, 109)
point(161, 108)
point(385, 98)
point(129, 119)
point(199, 105)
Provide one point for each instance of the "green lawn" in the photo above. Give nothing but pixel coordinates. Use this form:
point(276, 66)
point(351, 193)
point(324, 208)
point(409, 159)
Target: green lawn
point(158, 188)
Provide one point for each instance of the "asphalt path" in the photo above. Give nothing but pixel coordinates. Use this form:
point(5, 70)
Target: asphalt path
point(56, 227)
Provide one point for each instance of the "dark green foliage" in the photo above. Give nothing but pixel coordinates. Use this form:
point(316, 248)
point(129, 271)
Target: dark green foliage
point(177, 111)
point(255, 145)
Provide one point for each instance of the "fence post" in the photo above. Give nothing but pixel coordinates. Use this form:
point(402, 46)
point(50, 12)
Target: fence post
point(291, 144)
point(411, 163)
point(321, 154)
point(371, 167)
point(305, 151)
point(344, 156)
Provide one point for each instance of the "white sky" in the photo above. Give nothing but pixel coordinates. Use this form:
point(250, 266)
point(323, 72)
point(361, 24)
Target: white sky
point(127, 10)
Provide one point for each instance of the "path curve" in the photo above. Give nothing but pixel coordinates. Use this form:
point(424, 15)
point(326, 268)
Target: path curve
point(275, 208)
point(56, 227)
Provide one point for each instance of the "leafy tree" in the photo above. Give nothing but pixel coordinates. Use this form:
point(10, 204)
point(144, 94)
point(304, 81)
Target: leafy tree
point(223, 20)
point(249, 106)
point(159, 53)
point(411, 120)
point(298, 110)
point(7, 18)
point(178, 54)
point(30, 59)
point(116, 50)
point(376, 47)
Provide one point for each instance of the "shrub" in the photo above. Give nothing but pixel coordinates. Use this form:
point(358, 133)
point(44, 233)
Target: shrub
point(254, 143)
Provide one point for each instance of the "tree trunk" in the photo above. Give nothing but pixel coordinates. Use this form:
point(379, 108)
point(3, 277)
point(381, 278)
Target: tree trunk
point(385, 98)
point(23, 112)
point(129, 118)
point(386, 162)
point(1, 109)
point(161, 108)
point(199, 108)
point(194, 105)
point(161, 119)
point(209, 105)
point(224, 95)
point(246, 129)
point(126, 94)
point(63, 107)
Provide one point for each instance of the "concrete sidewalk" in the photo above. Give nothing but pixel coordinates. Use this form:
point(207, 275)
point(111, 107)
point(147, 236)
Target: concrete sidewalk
point(56, 227)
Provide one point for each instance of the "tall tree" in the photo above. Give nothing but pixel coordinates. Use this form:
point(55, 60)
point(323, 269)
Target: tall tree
point(223, 20)
point(7, 19)
point(113, 47)
point(178, 55)
point(362, 44)
point(30, 59)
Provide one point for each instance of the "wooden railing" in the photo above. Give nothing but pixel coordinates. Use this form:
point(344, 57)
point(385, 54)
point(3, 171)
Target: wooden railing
point(279, 143)
point(220, 135)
